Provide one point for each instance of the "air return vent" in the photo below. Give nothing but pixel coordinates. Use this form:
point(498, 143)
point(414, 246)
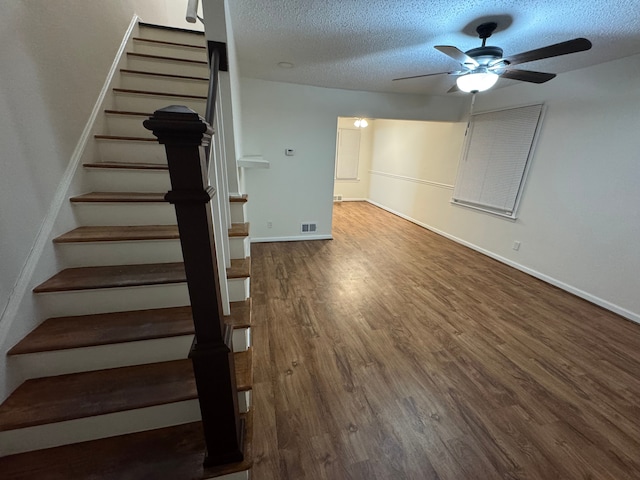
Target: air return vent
point(309, 227)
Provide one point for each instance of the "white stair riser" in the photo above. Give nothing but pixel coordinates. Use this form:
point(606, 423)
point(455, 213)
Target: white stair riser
point(173, 51)
point(150, 103)
point(241, 339)
point(61, 362)
point(124, 125)
point(167, 35)
point(86, 302)
point(92, 428)
point(92, 254)
point(244, 401)
point(244, 475)
point(171, 67)
point(102, 214)
point(237, 212)
point(154, 83)
point(130, 151)
point(238, 289)
point(239, 247)
point(124, 180)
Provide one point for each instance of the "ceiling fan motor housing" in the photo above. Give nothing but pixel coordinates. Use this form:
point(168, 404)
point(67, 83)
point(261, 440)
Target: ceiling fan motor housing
point(485, 55)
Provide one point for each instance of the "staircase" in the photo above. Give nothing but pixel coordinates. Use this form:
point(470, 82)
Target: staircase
point(110, 392)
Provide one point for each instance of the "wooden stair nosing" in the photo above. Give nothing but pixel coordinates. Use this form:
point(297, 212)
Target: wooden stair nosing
point(163, 75)
point(119, 197)
point(113, 276)
point(125, 139)
point(164, 58)
point(119, 233)
point(159, 94)
point(239, 230)
point(171, 29)
point(62, 333)
point(240, 268)
point(241, 199)
point(172, 44)
point(127, 166)
point(240, 316)
point(172, 452)
point(47, 400)
point(124, 112)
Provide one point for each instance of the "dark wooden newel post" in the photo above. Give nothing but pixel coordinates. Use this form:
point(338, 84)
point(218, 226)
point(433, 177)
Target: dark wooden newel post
point(184, 134)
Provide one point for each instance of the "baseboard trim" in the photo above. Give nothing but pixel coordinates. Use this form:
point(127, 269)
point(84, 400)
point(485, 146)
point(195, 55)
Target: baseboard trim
point(23, 282)
point(634, 317)
point(297, 238)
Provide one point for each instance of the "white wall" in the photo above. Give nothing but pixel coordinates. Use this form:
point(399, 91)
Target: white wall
point(357, 189)
point(294, 189)
point(55, 58)
point(579, 218)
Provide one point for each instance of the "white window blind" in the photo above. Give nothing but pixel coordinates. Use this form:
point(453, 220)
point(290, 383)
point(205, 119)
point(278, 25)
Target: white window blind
point(348, 154)
point(497, 151)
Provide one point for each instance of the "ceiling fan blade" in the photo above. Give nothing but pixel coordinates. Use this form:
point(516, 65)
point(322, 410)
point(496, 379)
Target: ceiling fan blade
point(457, 54)
point(427, 75)
point(527, 75)
point(564, 48)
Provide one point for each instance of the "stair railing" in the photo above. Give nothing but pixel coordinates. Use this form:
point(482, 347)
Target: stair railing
point(185, 136)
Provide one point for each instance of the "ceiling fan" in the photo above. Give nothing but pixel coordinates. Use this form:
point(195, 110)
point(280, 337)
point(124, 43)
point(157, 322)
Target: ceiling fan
point(482, 66)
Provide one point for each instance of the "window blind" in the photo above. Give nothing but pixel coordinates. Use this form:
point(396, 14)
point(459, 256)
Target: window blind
point(497, 151)
point(348, 154)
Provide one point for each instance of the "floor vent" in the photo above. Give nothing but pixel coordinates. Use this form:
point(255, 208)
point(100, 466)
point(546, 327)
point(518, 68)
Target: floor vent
point(309, 227)
point(337, 198)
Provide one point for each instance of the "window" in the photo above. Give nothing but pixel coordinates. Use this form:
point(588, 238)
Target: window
point(348, 154)
point(498, 148)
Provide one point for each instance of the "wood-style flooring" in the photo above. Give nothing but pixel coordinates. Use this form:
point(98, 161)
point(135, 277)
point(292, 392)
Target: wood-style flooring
point(393, 353)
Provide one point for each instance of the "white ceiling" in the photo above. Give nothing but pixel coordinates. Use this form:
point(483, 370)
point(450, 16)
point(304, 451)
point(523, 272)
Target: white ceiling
point(364, 44)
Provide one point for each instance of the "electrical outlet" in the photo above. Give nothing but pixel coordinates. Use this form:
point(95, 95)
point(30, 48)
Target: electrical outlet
point(516, 245)
point(269, 224)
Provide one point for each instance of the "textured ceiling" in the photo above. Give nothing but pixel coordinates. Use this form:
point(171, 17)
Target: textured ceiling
point(364, 44)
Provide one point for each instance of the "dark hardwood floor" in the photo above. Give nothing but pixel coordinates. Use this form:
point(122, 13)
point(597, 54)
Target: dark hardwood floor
point(393, 353)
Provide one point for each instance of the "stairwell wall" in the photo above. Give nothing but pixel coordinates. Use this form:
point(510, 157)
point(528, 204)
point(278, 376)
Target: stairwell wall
point(56, 58)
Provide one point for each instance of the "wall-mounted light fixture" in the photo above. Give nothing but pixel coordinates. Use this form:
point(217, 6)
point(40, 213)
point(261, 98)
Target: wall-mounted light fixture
point(361, 123)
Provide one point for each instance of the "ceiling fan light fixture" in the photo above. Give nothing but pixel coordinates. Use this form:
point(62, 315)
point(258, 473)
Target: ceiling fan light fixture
point(477, 81)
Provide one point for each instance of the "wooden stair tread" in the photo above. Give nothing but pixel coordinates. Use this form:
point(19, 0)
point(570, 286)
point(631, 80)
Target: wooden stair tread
point(240, 316)
point(164, 58)
point(173, 452)
point(113, 276)
point(125, 138)
point(240, 268)
point(239, 230)
point(159, 94)
point(127, 166)
point(239, 199)
point(119, 197)
point(47, 400)
point(243, 362)
point(119, 233)
point(163, 75)
point(173, 44)
point(126, 112)
point(106, 328)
